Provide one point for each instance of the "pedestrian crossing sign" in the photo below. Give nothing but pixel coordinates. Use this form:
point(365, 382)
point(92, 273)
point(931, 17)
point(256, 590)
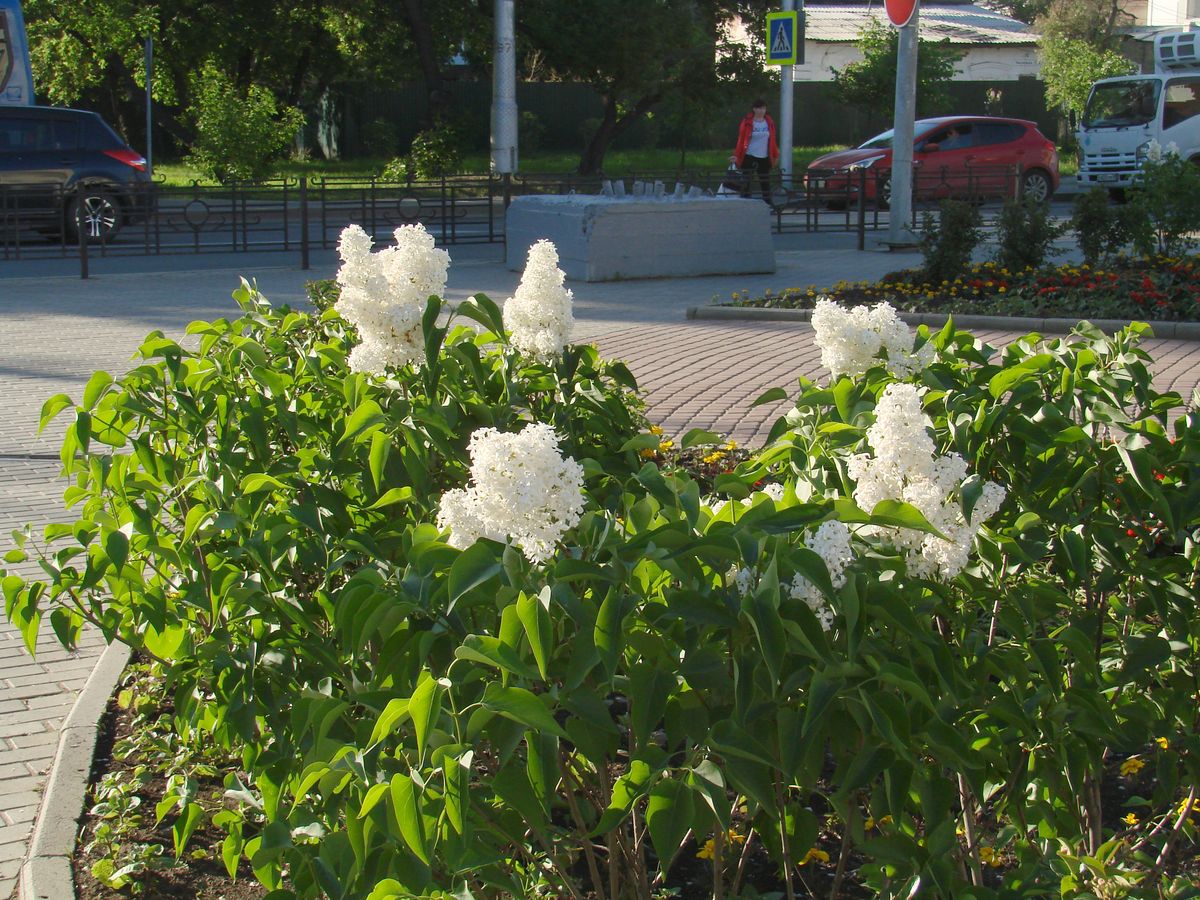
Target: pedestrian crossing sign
point(785, 39)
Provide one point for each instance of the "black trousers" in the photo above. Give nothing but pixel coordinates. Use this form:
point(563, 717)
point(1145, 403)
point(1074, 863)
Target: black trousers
point(761, 165)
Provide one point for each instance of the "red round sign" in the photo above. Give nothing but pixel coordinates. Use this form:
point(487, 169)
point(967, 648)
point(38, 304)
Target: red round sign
point(900, 11)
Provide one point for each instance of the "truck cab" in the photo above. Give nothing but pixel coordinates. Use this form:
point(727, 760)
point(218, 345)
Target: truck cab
point(1123, 115)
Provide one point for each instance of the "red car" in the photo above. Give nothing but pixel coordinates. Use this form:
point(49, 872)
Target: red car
point(952, 156)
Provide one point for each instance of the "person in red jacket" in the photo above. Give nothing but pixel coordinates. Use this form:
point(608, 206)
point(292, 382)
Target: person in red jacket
point(757, 149)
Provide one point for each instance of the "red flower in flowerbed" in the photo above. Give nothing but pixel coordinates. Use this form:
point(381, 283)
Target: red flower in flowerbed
point(1163, 288)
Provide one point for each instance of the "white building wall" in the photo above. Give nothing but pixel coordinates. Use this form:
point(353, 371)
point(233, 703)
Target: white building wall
point(991, 63)
point(1172, 12)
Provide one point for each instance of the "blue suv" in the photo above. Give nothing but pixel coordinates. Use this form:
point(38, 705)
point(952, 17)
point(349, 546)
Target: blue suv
point(59, 167)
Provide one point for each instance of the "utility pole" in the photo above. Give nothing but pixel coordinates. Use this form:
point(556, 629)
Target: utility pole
point(149, 106)
point(504, 92)
point(786, 113)
point(900, 221)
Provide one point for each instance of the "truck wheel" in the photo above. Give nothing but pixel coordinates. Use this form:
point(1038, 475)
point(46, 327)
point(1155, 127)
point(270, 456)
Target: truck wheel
point(1036, 185)
point(101, 217)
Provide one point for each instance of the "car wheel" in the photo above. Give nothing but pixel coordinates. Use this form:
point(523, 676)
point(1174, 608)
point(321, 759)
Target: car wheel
point(1036, 186)
point(883, 192)
point(99, 213)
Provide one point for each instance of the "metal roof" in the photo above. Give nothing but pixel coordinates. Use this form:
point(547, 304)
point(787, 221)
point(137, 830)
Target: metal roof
point(957, 23)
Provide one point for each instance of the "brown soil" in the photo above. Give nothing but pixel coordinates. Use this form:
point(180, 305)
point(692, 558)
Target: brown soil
point(194, 876)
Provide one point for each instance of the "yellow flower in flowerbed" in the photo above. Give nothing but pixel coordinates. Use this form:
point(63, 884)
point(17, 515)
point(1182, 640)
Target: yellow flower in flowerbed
point(1132, 766)
point(1162, 742)
point(814, 854)
point(1130, 819)
point(731, 837)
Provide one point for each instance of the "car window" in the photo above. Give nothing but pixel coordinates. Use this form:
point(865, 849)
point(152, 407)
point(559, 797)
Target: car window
point(997, 132)
point(98, 136)
point(1181, 102)
point(954, 137)
point(28, 135)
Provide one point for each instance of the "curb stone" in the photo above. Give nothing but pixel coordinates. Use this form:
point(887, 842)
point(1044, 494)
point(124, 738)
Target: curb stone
point(1186, 331)
point(46, 872)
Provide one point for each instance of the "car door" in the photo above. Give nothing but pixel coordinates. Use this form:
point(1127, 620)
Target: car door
point(996, 158)
point(38, 154)
point(943, 159)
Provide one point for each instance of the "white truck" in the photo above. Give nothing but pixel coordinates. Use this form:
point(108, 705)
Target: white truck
point(1123, 115)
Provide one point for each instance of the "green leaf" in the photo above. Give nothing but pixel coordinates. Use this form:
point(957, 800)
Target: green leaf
point(381, 448)
point(424, 707)
point(231, 851)
point(699, 437)
point(642, 442)
point(184, 827)
point(534, 613)
point(670, 814)
point(93, 390)
point(260, 481)
point(627, 790)
point(116, 548)
point(521, 706)
point(391, 496)
point(475, 565)
point(456, 773)
point(374, 794)
point(774, 395)
point(483, 648)
point(393, 714)
point(51, 408)
point(483, 310)
point(649, 688)
point(367, 415)
point(406, 808)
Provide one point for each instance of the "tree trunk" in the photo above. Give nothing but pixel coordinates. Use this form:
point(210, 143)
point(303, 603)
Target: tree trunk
point(431, 69)
point(612, 127)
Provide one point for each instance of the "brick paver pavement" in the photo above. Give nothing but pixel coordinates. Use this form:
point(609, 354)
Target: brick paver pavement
point(57, 330)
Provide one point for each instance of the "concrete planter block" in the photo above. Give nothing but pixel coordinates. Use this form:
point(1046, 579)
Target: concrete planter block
point(603, 238)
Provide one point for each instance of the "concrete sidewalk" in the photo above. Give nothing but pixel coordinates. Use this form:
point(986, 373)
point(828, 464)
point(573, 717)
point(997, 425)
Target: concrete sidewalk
point(58, 329)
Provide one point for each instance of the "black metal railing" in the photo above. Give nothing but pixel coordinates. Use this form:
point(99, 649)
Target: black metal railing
point(299, 215)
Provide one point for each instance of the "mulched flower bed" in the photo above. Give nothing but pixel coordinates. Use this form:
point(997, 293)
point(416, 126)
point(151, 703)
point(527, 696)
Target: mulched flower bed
point(1159, 288)
point(119, 829)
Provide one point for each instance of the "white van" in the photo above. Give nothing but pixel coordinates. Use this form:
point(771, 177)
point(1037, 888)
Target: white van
point(1124, 115)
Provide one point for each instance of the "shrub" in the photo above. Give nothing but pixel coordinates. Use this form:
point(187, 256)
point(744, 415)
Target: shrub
point(1099, 229)
point(239, 134)
point(435, 152)
point(1026, 234)
point(1163, 214)
point(380, 137)
point(958, 693)
point(948, 241)
point(530, 132)
point(398, 169)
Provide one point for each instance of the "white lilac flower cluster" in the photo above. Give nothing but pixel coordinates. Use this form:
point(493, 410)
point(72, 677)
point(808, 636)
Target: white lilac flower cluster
point(383, 294)
point(538, 315)
point(831, 542)
point(904, 465)
point(522, 489)
point(851, 340)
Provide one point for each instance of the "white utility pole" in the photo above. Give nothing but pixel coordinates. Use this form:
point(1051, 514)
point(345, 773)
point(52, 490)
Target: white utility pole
point(786, 112)
point(149, 106)
point(900, 222)
point(504, 91)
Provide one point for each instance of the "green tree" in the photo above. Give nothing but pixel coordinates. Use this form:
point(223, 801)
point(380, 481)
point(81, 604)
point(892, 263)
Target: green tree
point(635, 53)
point(871, 83)
point(1070, 66)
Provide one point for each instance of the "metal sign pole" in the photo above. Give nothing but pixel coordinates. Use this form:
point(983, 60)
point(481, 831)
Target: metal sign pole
point(786, 115)
point(899, 227)
point(504, 91)
point(149, 106)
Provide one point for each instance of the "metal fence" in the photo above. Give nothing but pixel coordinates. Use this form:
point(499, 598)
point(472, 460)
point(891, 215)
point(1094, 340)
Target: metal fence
point(300, 215)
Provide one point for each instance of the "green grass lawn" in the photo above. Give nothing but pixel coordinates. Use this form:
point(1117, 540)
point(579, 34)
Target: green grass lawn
point(617, 162)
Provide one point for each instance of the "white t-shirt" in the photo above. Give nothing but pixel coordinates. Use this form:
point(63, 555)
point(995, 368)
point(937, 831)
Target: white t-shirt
point(760, 136)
